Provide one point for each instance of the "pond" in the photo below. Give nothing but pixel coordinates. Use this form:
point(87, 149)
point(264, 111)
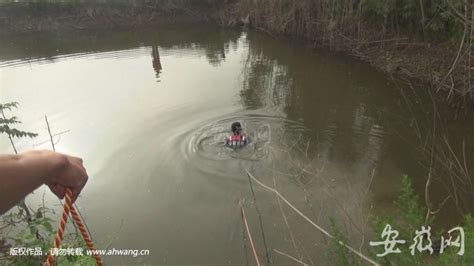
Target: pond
point(149, 111)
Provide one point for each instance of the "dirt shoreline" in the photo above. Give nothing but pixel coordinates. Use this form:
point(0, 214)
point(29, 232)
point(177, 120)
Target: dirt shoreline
point(425, 63)
point(35, 18)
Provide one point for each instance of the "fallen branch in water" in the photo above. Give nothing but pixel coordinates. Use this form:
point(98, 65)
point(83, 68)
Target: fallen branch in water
point(309, 220)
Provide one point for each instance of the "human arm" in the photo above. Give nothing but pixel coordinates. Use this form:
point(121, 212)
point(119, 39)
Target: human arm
point(21, 174)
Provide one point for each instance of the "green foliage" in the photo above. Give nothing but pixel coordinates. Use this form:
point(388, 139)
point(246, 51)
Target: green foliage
point(442, 24)
point(338, 254)
point(450, 256)
point(12, 120)
point(378, 225)
point(409, 218)
point(38, 232)
point(408, 207)
point(13, 132)
point(5, 123)
point(407, 15)
point(8, 106)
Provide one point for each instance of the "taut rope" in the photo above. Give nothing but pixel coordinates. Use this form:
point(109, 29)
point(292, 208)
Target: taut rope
point(69, 208)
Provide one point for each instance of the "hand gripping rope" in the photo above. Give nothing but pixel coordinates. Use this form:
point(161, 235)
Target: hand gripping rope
point(69, 208)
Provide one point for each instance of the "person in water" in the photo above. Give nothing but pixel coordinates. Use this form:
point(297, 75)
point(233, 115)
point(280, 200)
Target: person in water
point(237, 139)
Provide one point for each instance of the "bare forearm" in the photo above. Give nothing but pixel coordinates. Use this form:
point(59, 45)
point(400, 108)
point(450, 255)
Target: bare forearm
point(22, 174)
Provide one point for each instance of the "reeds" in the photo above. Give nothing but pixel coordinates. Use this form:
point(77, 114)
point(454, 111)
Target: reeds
point(388, 34)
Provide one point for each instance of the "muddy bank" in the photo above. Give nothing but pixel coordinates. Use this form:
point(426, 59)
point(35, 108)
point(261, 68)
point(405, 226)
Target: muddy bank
point(438, 58)
point(57, 17)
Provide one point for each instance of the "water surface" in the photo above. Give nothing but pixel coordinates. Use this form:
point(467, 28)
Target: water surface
point(148, 112)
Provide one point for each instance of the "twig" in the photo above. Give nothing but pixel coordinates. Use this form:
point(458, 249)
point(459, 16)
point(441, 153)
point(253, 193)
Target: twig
point(450, 149)
point(286, 222)
point(290, 257)
point(441, 205)
point(306, 253)
point(49, 132)
point(466, 171)
point(343, 210)
point(261, 223)
point(430, 173)
point(370, 183)
point(362, 242)
point(54, 135)
point(456, 59)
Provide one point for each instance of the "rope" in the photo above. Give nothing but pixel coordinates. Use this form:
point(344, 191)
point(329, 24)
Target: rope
point(69, 208)
point(250, 236)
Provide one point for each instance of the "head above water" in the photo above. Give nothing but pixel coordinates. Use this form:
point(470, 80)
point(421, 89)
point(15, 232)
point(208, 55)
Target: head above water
point(236, 128)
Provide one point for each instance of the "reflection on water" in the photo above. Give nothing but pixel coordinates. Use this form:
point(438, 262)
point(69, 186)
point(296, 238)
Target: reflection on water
point(330, 133)
point(48, 48)
point(156, 60)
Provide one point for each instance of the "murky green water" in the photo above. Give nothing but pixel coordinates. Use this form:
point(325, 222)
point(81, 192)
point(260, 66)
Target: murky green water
point(148, 111)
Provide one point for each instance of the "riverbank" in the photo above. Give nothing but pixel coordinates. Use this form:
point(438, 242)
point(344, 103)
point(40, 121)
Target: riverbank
point(436, 53)
point(440, 59)
point(71, 17)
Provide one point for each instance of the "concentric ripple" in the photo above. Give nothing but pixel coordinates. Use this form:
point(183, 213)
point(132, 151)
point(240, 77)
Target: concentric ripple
point(205, 146)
